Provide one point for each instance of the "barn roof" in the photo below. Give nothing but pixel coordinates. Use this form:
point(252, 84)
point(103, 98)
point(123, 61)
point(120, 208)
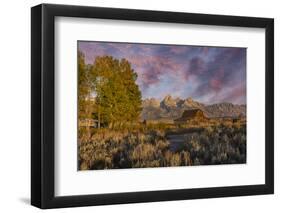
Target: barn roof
point(188, 114)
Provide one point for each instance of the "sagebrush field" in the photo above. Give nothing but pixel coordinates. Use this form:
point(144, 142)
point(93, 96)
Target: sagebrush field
point(149, 147)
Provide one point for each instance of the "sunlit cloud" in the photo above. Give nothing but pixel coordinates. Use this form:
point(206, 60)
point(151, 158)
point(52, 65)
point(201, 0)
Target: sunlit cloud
point(207, 74)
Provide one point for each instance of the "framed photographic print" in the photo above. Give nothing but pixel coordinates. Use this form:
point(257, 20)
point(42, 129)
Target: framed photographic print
point(139, 106)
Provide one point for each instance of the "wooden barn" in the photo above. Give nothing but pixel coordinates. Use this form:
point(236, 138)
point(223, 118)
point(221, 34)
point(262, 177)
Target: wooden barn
point(191, 115)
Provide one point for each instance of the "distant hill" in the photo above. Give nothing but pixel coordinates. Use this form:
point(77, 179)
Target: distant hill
point(172, 108)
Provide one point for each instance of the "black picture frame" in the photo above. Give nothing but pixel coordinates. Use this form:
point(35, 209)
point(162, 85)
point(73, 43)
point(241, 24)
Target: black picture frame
point(43, 105)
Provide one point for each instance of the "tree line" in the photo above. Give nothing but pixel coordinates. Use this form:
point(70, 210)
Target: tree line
point(107, 91)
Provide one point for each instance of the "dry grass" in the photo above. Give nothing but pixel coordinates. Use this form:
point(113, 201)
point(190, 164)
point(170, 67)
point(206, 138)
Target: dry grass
point(147, 146)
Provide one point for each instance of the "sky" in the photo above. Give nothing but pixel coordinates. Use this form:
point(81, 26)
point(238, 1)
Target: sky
point(206, 74)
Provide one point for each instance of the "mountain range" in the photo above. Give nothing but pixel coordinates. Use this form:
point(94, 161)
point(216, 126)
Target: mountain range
point(172, 108)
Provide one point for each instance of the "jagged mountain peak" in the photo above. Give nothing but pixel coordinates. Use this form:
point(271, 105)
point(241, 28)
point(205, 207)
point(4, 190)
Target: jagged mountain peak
point(172, 107)
point(169, 102)
point(152, 102)
point(189, 99)
point(190, 103)
point(167, 97)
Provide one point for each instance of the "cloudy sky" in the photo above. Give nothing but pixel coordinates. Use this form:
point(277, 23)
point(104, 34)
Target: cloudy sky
point(207, 74)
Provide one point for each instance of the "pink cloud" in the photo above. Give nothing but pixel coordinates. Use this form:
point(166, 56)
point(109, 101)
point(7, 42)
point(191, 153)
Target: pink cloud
point(152, 67)
point(215, 84)
point(178, 49)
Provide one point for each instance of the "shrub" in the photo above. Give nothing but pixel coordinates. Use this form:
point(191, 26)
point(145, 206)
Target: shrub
point(112, 149)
